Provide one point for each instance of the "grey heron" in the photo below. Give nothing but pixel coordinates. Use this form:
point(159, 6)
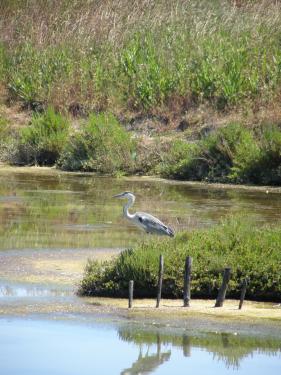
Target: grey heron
point(147, 222)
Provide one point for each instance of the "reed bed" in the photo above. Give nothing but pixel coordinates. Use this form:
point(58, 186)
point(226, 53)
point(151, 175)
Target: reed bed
point(80, 56)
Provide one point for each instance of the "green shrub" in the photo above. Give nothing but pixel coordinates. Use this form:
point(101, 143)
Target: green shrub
point(210, 159)
point(102, 146)
point(177, 158)
point(271, 155)
point(246, 160)
point(149, 156)
point(235, 242)
point(8, 141)
point(229, 154)
point(43, 140)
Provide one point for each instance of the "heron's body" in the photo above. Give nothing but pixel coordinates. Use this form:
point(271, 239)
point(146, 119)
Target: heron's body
point(147, 222)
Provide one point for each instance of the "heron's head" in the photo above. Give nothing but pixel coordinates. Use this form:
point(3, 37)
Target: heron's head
point(126, 194)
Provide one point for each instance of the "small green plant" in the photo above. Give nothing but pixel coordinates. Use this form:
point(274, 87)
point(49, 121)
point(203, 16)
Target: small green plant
point(43, 140)
point(102, 146)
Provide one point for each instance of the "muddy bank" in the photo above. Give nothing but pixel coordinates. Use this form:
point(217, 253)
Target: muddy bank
point(48, 267)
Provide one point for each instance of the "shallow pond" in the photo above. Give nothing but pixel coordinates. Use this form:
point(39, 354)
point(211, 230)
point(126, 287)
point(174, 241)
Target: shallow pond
point(45, 217)
point(44, 347)
point(57, 210)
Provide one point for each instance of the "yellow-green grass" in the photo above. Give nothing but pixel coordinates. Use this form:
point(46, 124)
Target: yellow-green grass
point(82, 56)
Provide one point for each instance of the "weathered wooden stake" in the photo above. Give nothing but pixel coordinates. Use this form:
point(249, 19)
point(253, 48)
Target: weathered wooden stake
point(160, 279)
point(131, 293)
point(222, 291)
point(187, 279)
point(243, 292)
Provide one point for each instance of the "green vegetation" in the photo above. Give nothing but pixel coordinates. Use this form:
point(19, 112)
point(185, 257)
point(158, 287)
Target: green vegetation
point(231, 154)
point(101, 62)
point(236, 242)
point(101, 146)
point(43, 140)
point(143, 56)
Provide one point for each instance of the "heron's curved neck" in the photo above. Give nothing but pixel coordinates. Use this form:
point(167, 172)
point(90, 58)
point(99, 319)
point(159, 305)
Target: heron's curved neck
point(126, 207)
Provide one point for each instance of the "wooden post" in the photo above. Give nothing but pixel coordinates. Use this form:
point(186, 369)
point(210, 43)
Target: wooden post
point(187, 278)
point(222, 291)
point(160, 279)
point(131, 292)
point(243, 292)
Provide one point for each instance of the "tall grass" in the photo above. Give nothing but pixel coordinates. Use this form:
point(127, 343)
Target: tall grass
point(141, 56)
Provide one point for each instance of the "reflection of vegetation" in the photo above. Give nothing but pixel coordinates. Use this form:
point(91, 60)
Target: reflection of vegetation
point(229, 348)
point(147, 362)
point(235, 242)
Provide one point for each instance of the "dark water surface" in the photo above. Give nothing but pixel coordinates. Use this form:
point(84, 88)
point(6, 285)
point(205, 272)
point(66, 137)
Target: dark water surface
point(53, 210)
point(45, 347)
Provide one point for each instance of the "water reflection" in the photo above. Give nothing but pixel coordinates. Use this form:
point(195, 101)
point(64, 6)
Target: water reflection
point(147, 362)
point(230, 349)
point(45, 347)
point(60, 210)
point(31, 291)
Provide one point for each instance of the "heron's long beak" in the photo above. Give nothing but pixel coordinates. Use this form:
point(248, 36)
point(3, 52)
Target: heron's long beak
point(118, 195)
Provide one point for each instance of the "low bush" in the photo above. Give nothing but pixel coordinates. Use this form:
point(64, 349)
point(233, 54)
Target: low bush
point(235, 242)
point(43, 140)
point(101, 146)
point(230, 154)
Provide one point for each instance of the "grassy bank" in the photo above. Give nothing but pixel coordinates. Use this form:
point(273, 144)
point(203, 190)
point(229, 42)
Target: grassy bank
point(248, 250)
point(85, 71)
point(146, 56)
point(230, 154)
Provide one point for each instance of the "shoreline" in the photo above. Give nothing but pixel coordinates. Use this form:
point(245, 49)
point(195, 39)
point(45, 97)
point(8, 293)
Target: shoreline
point(48, 280)
point(200, 317)
point(53, 170)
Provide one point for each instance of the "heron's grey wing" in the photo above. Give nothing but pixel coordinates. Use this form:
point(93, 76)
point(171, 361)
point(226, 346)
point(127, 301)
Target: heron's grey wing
point(153, 225)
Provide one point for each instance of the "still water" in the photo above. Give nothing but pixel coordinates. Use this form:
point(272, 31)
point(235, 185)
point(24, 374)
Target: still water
point(45, 347)
point(45, 217)
point(55, 210)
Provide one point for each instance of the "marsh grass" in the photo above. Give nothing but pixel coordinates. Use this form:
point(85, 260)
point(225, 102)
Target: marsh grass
point(140, 56)
point(235, 242)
